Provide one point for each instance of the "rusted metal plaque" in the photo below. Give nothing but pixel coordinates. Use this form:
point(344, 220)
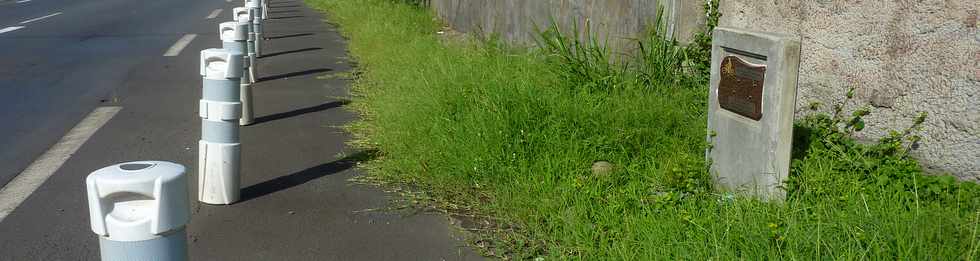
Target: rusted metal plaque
point(740, 89)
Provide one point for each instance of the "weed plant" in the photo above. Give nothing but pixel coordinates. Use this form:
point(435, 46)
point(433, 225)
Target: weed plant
point(507, 137)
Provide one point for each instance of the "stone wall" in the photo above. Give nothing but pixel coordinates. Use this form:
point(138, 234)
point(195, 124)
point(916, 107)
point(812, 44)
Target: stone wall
point(519, 21)
point(902, 57)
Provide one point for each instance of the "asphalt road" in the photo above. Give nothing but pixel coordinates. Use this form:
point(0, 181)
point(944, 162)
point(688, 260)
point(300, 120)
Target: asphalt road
point(55, 70)
point(298, 202)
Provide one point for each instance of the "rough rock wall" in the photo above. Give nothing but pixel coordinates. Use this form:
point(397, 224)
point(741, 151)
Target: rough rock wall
point(518, 21)
point(902, 56)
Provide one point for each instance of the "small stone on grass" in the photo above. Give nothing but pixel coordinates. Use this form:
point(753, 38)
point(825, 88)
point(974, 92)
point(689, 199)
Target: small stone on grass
point(602, 168)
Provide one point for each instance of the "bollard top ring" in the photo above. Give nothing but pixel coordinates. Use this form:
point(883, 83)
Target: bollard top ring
point(138, 200)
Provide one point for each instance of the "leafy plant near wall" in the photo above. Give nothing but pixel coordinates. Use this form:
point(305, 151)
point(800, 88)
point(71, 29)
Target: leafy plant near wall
point(882, 167)
point(698, 53)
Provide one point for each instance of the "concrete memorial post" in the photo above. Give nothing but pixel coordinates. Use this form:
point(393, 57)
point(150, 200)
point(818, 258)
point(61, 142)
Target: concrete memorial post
point(750, 114)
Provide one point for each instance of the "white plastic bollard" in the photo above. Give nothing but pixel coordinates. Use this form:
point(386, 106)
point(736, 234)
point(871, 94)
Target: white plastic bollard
point(243, 14)
point(255, 9)
point(233, 36)
point(265, 9)
point(219, 151)
point(140, 210)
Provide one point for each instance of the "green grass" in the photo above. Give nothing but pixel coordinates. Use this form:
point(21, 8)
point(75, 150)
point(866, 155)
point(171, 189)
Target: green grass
point(508, 136)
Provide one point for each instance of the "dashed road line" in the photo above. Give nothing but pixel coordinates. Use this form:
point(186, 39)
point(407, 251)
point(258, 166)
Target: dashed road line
point(214, 13)
point(22, 1)
point(44, 166)
point(179, 45)
point(10, 29)
point(40, 18)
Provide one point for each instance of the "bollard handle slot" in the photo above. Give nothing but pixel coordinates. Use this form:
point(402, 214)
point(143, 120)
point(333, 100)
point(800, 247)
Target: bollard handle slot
point(232, 31)
point(215, 66)
point(242, 14)
point(226, 31)
point(136, 166)
point(220, 64)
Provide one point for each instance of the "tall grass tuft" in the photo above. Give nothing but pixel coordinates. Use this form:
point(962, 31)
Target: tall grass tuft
point(584, 65)
point(662, 59)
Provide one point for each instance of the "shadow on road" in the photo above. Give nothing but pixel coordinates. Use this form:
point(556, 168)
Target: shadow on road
point(283, 12)
point(288, 36)
point(286, 17)
point(297, 112)
point(306, 175)
point(281, 6)
point(290, 51)
point(293, 74)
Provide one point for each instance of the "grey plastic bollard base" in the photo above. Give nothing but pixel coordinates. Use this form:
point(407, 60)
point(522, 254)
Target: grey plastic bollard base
point(169, 247)
point(220, 166)
point(247, 115)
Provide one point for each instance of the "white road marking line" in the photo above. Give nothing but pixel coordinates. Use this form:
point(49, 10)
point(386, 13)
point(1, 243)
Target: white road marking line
point(214, 13)
point(23, 1)
point(43, 167)
point(225, 1)
point(40, 18)
point(179, 45)
point(10, 29)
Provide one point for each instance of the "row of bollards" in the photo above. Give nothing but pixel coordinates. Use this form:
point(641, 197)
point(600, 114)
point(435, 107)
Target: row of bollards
point(140, 209)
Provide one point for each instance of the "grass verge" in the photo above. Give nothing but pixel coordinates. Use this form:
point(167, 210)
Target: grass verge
point(508, 138)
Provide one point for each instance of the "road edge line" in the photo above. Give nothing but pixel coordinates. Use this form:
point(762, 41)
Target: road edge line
point(10, 29)
point(25, 183)
point(40, 18)
point(214, 14)
point(180, 44)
